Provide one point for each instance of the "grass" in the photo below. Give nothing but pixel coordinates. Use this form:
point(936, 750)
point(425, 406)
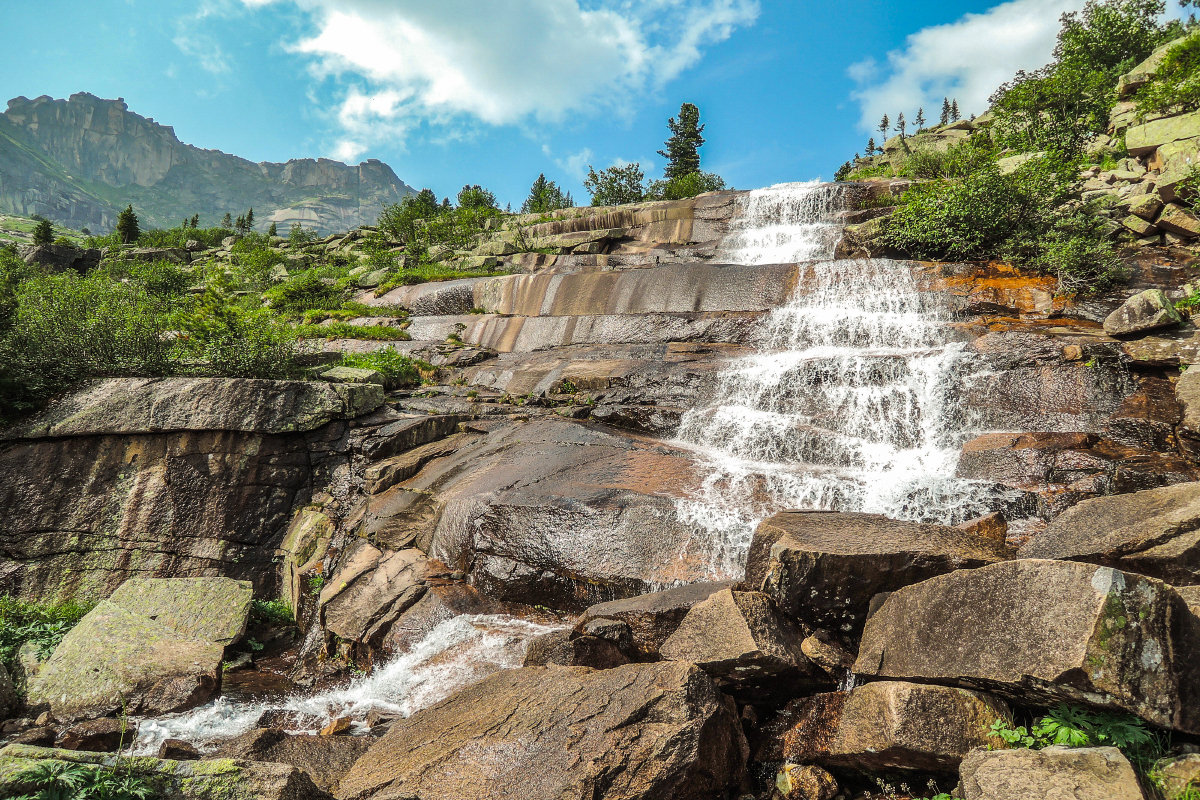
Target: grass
point(396, 368)
point(344, 330)
point(43, 624)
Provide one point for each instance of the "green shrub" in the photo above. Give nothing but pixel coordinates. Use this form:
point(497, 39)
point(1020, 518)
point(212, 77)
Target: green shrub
point(179, 237)
point(273, 613)
point(305, 290)
point(44, 624)
point(684, 186)
point(1072, 726)
point(50, 779)
point(160, 277)
point(1176, 84)
point(396, 368)
point(344, 330)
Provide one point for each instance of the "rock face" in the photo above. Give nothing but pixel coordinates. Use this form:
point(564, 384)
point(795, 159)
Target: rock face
point(646, 731)
point(152, 649)
point(55, 151)
point(1055, 630)
point(162, 477)
point(824, 568)
point(884, 725)
point(652, 618)
point(1155, 532)
point(1146, 311)
point(226, 778)
point(1056, 773)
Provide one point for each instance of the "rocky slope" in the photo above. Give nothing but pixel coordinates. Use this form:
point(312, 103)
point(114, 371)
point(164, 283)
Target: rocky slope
point(512, 550)
point(79, 161)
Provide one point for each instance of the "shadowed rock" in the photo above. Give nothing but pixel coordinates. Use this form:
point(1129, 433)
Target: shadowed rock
point(652, 618)
point(1145, 311)
point(325, 759)
point(645, 731)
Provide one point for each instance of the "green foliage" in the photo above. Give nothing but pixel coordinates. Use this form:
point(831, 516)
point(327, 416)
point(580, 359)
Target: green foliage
point(396, 368)
point(399, 221)
point(684, 187)
point(179, 237)
point(306, 290)
point(420, 223)
point(50, 779)
point(1176, 84)
point(617, 185)
point(476, 197)
point(1072, 726)
point(425, 273)
point(272, 613)
point(127, 226)
point(683, 147)
point(43, 233)
point(545, 196)
point(1064, 104)
point(44, 624)
point(300, 236)
point(343, 330)
point(957, 161)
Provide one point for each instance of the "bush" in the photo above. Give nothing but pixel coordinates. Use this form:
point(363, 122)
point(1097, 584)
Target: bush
point(179, 237)
point(51, 779)
point(685, 186)
point(616, 185)
point(1176, 84)
point(397, 369)
point(272, 613)
point(1072, 726)
point(304, 291)
point(44, 624)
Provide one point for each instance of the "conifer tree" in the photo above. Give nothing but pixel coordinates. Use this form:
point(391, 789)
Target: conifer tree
point(127, 226)
point(945, 110)
point(920, 120)
point(43, 233)
point(250, 219)
point(954, 115)
point(871, 146)
point(271, 230)
point(683, 146)
point(195, 221)
point(226, 221)
point(901, 125)
point(544, 195)
point(884, 124)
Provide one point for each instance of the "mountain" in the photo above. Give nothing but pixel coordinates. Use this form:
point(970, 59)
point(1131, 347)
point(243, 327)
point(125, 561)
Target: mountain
point(79, 161)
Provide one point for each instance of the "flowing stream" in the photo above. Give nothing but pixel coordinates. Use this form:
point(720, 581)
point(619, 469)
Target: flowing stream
point(850, 401)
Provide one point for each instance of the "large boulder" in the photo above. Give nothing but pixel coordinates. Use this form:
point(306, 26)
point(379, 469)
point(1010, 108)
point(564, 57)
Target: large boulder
point(370, 590)
point(884, 725)
point(645, 731)
point(1040, 630)
point(61, 257)
point(1056, 773)
point(1144, 139)
point(1145, 311)
point(743, 642)
point(652, 618)
point(224, 778)
point(823, 568)
point(133, 659)
point(1155, 532)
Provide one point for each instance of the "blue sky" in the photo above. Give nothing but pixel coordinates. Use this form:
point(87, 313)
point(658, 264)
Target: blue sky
point(495, 91)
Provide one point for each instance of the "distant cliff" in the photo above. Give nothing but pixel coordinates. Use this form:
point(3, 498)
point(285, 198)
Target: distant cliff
point(79, 161)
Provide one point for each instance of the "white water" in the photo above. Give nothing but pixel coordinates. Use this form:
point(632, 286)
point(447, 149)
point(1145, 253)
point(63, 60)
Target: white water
point(851, 401)
point(455, 654)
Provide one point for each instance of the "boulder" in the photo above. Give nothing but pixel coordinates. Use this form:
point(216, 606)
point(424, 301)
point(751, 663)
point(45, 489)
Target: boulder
point(370, 590)
point(645, 731)
point(61, 257)
point(1154, 532)
point(568, 649)
point(884, 725)
point(324, 759)
point(1187, 393)
point(1174, 776)
point(175, 255)
point(132, 659)
point(823, 568)
point(1035, 630)
point(652, 618)
point(303, 551)
point(178, 750)
point(103, 735)
point(1145, 311)
point(1179, 220)
point(1055, 773)
point(224, 778)
point(1144, 139)
point(211, 609)
point(1146, 207)
point(744, 643)
point(352, 375)
point(1143, 73)
point(805, 782)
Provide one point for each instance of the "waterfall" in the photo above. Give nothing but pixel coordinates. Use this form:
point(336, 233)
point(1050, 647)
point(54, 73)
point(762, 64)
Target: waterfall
point(850, 401)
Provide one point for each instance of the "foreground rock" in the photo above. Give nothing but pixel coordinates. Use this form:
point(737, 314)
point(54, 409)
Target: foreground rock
point(884, 725)
point(1039, 630)
point(824, 568)
point(1154, 532)
point(227, 779)
point(1146, 311)
point(325, 759)
point(154, 648)
point(1056, 773)
point(646, 731)
point(652, 618)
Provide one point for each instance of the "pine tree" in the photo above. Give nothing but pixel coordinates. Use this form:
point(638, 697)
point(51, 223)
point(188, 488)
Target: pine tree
point(544, 196)
point(226, 221)
point(871, 146)
point(43, 233)
point(127, 226)
point(920, 120)
point(954, 115)
point(945, 110)
point(250, 219)
point(195, 221)
point(884, 124)
point(901, 125)
point(683, 147)
point(271, 230)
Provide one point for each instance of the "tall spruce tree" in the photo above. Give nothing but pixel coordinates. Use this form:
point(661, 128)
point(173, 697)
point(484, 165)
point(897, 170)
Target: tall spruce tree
point(272, 230)
point(901, 125)
point(954, 115)
point(683, 147)
point(544, 196)
point(43, 233)
point(195, 221)
point(226, 221)
point(945, 110)
point(920, 119)
point(871, 146)
point(127, 226)
point(250, 219)
point(884, 124)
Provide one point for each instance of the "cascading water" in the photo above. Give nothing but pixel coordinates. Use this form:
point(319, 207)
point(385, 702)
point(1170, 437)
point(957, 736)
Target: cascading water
point(850, 401)
point(455, 654)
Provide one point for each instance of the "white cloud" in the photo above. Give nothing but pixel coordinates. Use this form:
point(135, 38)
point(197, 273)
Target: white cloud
point(205, 50)
point(401, 63)
point(966, 59)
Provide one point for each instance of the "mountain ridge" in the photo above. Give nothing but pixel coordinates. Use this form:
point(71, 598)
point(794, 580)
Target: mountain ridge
point(79, 161)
